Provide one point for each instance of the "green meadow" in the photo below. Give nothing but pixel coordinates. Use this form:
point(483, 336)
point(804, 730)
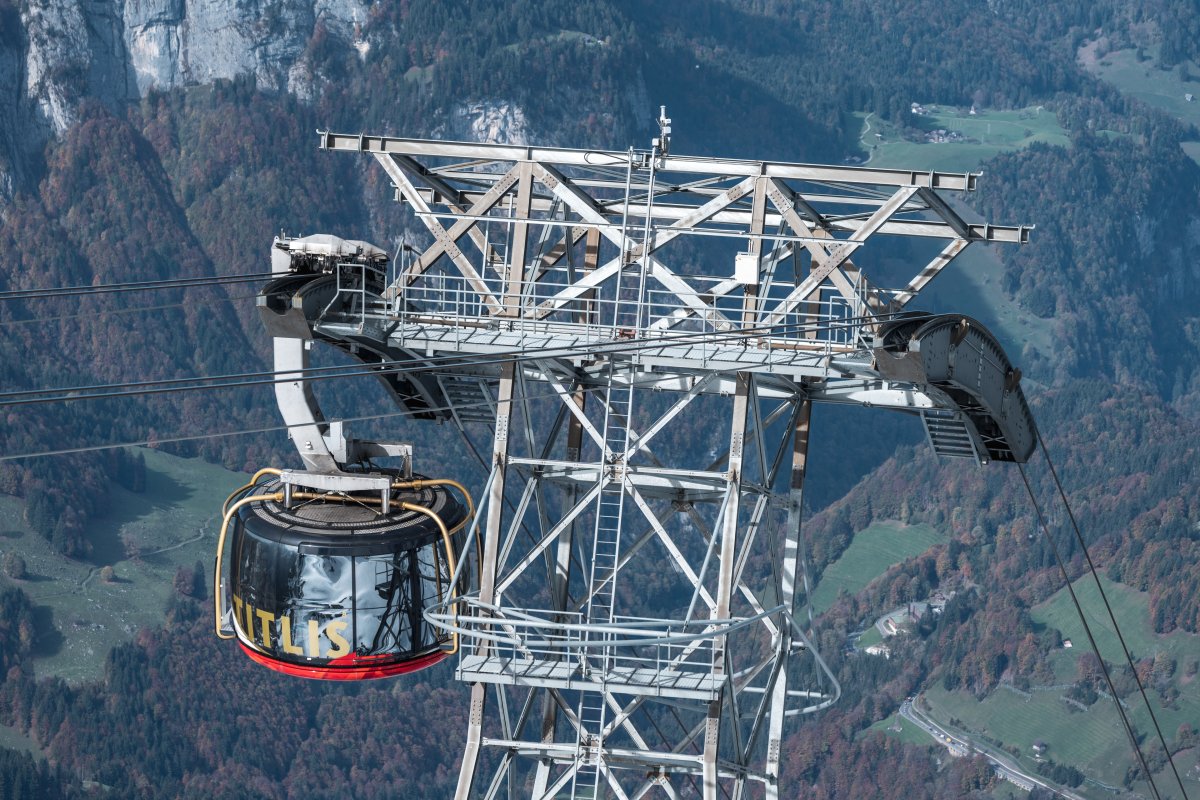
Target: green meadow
point(145, 538)
point(1091, 740)
point(1164, 89)
point(983, 135)
point(869, 555)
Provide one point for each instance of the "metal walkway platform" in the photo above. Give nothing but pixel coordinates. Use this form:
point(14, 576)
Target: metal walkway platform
point(619, 679)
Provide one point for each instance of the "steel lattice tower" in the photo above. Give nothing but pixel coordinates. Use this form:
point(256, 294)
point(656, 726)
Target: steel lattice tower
point(638, 621)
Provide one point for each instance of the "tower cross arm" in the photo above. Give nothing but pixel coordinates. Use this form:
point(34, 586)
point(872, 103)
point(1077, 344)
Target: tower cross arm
point(591, 158)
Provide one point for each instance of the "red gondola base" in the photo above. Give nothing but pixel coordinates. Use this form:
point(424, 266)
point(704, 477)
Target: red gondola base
point(349, 668)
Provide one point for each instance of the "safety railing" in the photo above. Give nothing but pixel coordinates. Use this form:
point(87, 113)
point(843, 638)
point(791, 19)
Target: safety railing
point(353, 296)
point(707, 307)
point(634, 649)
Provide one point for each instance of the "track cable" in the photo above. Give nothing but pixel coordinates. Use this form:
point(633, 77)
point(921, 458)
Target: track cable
point(84, 290)
point(1111, 616)
point(129, 310)
point(1062, 568)
point(275, 428)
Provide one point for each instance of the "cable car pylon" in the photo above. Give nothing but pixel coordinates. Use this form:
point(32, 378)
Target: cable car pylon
point(631, 601)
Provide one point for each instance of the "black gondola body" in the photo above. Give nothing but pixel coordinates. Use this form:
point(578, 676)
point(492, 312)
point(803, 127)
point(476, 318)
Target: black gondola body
point(333, 586)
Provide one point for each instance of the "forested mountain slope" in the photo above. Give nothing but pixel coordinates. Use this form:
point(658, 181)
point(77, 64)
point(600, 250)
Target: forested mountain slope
point(139, 142)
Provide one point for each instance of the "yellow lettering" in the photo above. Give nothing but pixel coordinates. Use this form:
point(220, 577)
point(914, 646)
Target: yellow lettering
point(237, 607)
point(314, 641)
point(249, 619)
point(266, 618)
point(341, 646)
point(285, 636)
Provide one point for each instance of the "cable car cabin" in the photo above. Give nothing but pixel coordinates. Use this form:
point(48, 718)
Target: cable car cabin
point(334, 586)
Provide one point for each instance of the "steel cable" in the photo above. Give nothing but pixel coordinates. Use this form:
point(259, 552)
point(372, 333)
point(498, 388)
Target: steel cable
point(113, 312)
point(132, 286)
point(1062, 568)
point(1108, 607)
point(276, 428)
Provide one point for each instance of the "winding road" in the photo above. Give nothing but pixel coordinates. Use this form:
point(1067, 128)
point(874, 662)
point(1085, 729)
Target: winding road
point(958, 745)
point(862, 137)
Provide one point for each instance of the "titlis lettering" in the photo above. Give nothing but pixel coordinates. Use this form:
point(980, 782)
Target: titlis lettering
point(259, 627)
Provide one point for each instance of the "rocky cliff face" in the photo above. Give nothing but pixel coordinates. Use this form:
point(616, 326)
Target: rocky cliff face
point(179, 42)
point(494, 121)
point(55, 53)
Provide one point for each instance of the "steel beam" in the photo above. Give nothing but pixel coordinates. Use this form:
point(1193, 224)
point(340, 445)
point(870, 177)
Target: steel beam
point(931, 271)
point(728, 547)
point(791, 565)
point(362, 143)
point(487, 577)
point(738, 220)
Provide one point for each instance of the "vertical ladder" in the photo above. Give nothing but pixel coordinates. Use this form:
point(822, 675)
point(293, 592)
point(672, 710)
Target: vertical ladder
point(606, 554)
point(611, 506)
point(627, 319)
point(606, 544)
